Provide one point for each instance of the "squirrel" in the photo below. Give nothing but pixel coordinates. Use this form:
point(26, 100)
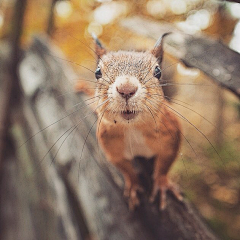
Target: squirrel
point(134, 119)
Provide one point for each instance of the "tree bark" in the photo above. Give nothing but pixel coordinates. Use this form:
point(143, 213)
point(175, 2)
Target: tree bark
point(11, 82)
point(51, 19)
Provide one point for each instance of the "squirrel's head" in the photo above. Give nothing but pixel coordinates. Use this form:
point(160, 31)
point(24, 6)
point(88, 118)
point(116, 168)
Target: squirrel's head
point(128, 82)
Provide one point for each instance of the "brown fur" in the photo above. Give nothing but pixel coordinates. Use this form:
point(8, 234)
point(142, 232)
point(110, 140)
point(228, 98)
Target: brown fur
point(162, 137)
point(154, 130)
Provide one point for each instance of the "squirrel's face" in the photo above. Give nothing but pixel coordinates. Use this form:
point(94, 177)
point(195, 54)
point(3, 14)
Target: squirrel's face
point(128, 84)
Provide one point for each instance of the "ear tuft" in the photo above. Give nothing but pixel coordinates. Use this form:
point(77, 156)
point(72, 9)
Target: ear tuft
point(99, 49)
point(157, 51)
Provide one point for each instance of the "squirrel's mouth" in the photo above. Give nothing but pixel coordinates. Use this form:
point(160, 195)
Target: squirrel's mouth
point(129, 115)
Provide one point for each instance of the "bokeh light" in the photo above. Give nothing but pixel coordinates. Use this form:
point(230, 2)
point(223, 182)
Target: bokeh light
point(95, 27)
point(1, 19)
point(178, 7)
point(235, 9)
point(108, 12)
point(156, 8)
point(184, 71)
point(63, 9)
point(235, 42)
point(196, 21)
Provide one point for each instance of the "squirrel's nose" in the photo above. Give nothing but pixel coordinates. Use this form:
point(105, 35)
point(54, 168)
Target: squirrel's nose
point(127, 90)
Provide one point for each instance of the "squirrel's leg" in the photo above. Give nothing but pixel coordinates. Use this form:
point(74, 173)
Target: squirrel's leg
point(111, 139)
point(132, 185)
point(162, 183)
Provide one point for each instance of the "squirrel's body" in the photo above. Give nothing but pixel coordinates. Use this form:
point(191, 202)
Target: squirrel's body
point(136, 144)
point(134, 119)
point(147, 139)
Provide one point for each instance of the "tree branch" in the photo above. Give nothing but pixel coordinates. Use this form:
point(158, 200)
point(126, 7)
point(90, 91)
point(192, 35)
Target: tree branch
point(11, 83)
point(194, 51)
point(236, 1)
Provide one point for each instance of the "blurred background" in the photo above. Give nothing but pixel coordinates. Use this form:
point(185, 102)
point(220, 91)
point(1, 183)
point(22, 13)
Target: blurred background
point(213, 187)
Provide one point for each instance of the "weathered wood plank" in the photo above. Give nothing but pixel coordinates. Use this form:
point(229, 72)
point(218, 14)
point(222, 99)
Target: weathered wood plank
point(34, 203)
point(51, 213)
point(15, 216)
point(93, 181)
point(210, 56)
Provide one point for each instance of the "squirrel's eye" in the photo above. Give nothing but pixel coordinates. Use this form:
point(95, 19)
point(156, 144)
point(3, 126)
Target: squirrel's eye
point(98, 73)
point(157, 72)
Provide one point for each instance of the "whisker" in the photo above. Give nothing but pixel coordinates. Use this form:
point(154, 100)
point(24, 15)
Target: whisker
point(74, 91)
point(162, 121)
point(200, 116)
point(83, 147)
point(149, 72)
point(85, 44)
point(164, 83)
point(98, 129)
point(95, 97)
point(60, 145)
point(56, 122)
point(75, 64)
point(169, 98)
point(86, 140)
point(178, 114)
point(151, 114)
point(180, 133)
point(90, 80)
point(74, 127)
point(172, 64)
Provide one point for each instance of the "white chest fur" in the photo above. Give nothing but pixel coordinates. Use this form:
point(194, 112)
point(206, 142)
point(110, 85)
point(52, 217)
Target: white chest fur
point(135, 145)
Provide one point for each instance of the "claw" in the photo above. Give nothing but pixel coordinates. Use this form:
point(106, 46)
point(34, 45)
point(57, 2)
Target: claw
point(162, 185)
point(131, 192)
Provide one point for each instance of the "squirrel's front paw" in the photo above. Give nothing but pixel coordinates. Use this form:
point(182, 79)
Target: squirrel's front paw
point(161, 185)
point(131, 192)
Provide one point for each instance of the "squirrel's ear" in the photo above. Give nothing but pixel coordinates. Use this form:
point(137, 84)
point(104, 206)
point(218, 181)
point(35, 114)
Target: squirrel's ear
point(157, 51)
point(99, 49)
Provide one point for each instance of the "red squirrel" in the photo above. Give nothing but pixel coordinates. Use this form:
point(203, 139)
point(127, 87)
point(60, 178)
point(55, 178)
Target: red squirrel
point(134, 119)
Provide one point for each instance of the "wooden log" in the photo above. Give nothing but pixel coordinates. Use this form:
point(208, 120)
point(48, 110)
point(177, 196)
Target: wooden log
point(11, 85)
point(34, 203)
point(5, 96)
point(51, 213)
point(210, 56)
point(15, 216)
point(95, 184)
